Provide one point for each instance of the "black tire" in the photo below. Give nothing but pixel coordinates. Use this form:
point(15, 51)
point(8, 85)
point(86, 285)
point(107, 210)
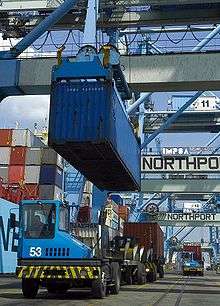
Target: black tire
point(128, 277)
point(150, 277)
point(141, 274)
point(56, 289)
point(116, 277)
point(99, 287)
point(30, 288)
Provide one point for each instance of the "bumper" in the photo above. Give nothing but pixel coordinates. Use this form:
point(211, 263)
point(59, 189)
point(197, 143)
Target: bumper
point(192, 270)
point(58, 272)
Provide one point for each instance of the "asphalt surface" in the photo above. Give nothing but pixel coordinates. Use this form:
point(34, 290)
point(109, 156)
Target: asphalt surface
point(173, 290)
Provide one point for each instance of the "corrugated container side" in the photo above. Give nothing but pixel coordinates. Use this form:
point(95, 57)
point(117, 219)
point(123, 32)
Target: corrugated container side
point(18, 155)
point(5, 137)
point(50, 157)
point(84, 214)
point(4, 174)
point(8, 247)
point(15, 174)
point(5, 155)
point(123, 212)
point(33, 156)
point(32, 174)
point(51, 175)
point(95, 144)
point(50, 192)
point(149, 235)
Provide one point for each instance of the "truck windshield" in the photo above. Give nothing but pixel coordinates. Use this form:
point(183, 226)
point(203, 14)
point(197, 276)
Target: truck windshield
point(64, 219)
point(39, 221)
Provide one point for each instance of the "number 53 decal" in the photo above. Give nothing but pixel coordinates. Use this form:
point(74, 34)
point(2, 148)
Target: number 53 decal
point(35, 251)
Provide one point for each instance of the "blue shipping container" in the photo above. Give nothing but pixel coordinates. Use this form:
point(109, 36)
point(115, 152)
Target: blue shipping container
point(99, 198)
point(89, 128)
point(117, 199)
point(8, 237)
point(51, 175)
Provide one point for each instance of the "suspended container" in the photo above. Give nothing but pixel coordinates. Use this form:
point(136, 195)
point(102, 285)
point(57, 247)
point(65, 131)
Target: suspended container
point(89, 128)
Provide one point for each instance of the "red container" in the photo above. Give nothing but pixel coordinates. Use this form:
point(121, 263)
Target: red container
point(149, 235)
point(84, 214)
point(5, 137)
point(196, 249)
point(31, 191)
point(2, 189)
point(16, 174)
point(18, 155)
point(123, 212)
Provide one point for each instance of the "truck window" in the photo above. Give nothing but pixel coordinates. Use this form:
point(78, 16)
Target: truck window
point(64, 219)
point(39, 221)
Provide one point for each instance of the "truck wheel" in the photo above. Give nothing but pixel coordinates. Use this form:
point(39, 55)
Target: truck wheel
point(141, 278)
point(116, 278)
point(150, 277)
point(57, 289)
point(29, 288)
point(99, 287)
point(128, 278)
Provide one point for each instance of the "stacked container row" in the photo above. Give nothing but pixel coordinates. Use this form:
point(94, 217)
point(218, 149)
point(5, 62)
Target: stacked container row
point(26, 163)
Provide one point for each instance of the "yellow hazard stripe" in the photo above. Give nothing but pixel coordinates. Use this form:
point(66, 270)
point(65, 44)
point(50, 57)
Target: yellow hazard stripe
point(58, 272)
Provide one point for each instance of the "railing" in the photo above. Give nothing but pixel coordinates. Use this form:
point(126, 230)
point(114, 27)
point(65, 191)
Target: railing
point(129, 44)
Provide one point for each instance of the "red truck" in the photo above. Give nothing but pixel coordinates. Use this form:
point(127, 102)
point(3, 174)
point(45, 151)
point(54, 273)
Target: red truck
point(192, 261)
point(151, 237)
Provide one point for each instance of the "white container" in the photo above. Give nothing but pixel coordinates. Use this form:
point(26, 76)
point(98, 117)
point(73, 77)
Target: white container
point(4, 174)
point(50, 192)
point(25, 138)
point(5, 153)
point(33, 156)
point(32, 174)
point(50, 157)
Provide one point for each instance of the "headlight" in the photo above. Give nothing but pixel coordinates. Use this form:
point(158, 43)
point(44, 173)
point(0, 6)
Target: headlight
point(147, 270)
point(83, 273)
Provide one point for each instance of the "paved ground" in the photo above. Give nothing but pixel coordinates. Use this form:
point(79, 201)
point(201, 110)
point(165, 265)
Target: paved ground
point(173, 290)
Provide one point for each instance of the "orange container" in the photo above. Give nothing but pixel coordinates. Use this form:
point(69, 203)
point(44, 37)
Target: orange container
point(123, 212)
point(18, 155)
point(16, 174)
point(5, 137)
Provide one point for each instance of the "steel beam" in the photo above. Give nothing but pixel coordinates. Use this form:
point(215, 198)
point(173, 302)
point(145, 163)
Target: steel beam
point(176, 72)
point(187, 186)
point(186, 234)
point(139, 101)
point(45, 25)
point(207, 39)
point(171, 119)
point(89, 37)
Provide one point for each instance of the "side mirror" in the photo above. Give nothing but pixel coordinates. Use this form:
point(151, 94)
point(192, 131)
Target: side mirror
point(12, 220)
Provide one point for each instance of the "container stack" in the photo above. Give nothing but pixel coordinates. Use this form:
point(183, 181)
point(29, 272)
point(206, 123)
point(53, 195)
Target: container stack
point(28, 169)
